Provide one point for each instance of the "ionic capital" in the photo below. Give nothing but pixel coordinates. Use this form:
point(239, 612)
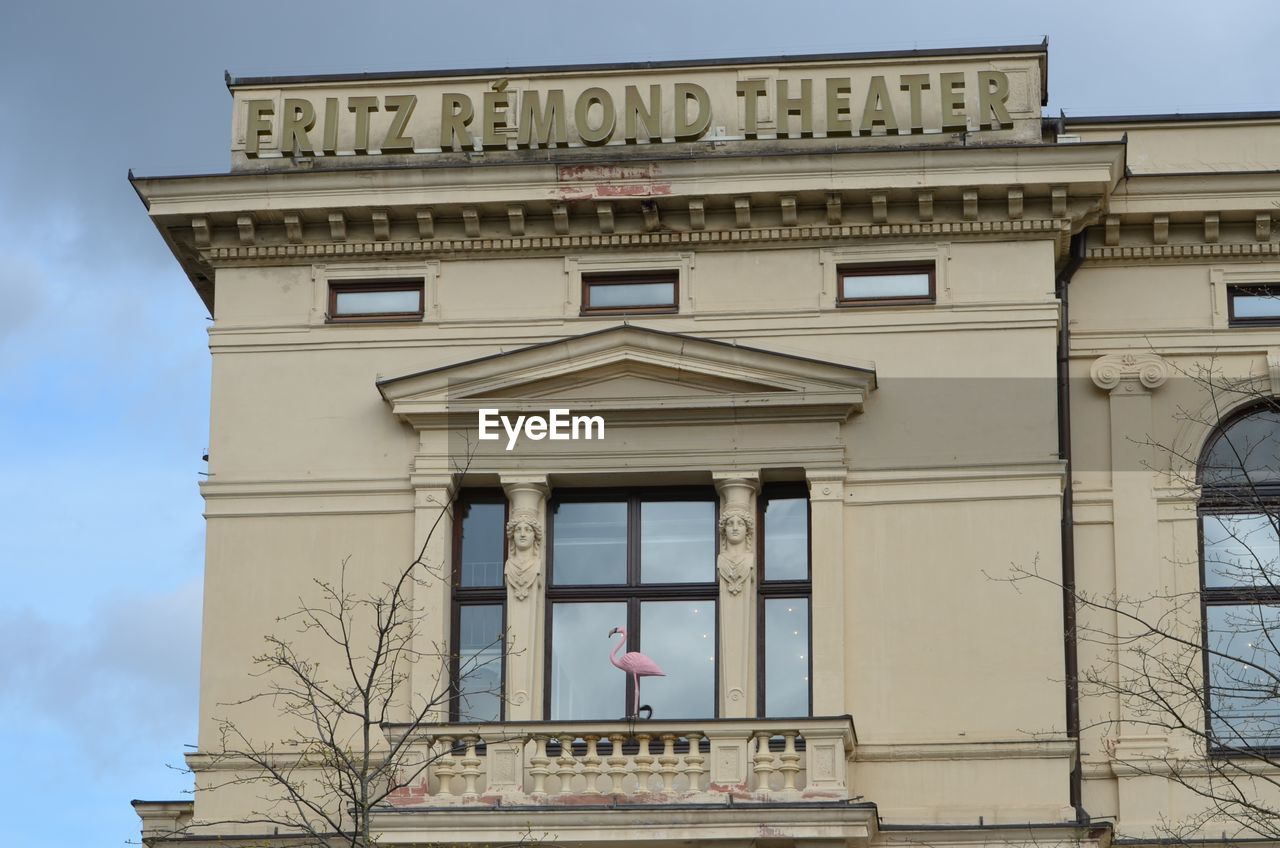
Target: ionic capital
point(1129, 373)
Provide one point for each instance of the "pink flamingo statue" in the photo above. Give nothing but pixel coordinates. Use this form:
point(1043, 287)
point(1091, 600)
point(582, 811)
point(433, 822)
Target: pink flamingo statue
point(637, 665)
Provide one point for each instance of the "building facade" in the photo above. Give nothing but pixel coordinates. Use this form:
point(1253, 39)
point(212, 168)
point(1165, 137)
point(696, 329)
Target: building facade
point(845, 386)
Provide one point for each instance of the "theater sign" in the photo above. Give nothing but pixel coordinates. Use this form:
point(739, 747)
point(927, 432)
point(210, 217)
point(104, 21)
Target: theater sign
point(876, 101)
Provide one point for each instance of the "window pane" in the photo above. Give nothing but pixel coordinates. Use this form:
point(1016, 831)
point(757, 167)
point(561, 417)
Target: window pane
point(680, 636)
point(590, 544)
point(1255, 304)
point(1248, 451)
point(854, 286)
point(1244, 671)
point(377, 302)
point(677, 542)
point(483, 532)
point(480, 662)
point(1240, 550)
point(583, 683)
point(786, 657)
point(632, 294)
point(786, 539)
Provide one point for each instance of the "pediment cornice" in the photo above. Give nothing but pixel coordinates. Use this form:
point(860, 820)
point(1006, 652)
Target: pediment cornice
point(671, 376)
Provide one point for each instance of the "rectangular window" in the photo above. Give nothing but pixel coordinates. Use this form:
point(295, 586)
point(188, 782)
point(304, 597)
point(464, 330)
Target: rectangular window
point(644, 562)
point(380, 300)
point(884, 285)
point(479, 606)
point(785, 665)
point(651, 291)
point(1240, 555)
point(1253, 305)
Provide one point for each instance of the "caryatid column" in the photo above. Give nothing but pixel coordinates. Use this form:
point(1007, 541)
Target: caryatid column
point(526, 559)
point(736, 567)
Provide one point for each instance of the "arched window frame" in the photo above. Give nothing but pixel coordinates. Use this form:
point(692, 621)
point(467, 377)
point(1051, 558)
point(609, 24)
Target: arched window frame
point(1256, 507)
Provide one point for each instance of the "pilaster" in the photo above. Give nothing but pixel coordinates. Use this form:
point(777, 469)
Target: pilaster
point(526, 605)
point(736, 566)
point(827, 607)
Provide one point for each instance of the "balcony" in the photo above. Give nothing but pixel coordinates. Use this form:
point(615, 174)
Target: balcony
point(616, 763)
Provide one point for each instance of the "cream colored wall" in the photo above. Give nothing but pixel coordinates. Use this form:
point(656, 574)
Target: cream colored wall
point(300, 428)
point(1174, 311)
point(1188, 147)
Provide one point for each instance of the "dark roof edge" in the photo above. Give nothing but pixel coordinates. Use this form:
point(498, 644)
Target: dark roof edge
point(237, 81)
point(1177, 117)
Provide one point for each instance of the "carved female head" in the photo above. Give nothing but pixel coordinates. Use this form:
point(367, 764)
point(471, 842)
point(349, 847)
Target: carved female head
point(736, 528)
point(524, 534)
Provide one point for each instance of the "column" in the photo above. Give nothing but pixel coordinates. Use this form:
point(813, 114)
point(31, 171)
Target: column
point(827, 608)
point(736, 565)
point(524, 570)
point(1130, 380)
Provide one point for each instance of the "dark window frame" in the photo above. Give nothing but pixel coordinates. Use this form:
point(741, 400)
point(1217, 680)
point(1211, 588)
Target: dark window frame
point(633, 592)
point(618, 278)
point(337, 287)
point(1235, 290)
point(461, 596)
point(887, 269)
point(1240, 499)
point(767, 589)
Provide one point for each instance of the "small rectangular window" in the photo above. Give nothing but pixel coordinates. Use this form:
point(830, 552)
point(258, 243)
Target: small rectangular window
point(382, 300)
point(885, 285)
point(655, 291)
point(1253, 305)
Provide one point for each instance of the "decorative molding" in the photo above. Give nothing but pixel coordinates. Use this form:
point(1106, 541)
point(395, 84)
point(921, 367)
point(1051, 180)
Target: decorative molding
point(290, 253)
point(1016, 749)
point(1129, 372)
point(1197, 250)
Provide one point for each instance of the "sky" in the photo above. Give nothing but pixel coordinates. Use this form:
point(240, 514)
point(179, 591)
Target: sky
point(104, 367)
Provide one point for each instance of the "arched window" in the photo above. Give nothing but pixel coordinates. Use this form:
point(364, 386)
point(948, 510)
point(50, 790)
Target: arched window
point(1240, 578)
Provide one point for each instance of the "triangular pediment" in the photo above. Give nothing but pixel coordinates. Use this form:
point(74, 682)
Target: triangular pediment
point(635, 371)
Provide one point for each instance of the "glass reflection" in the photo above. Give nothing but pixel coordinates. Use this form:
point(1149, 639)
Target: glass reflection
point(677, 541)
point(480, 662)
point(786, 539)
point(1247, 452)
point(1240, 550)
point(786, 657)
point(885, 285)
point(377, 302)
point(483, 534)
point(583, 683)
point(680, 636)
point(590, 545)
point(632, 294)
point(1243, 668)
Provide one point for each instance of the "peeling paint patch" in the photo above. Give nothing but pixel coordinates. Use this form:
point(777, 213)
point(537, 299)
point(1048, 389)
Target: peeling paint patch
point(604, 173)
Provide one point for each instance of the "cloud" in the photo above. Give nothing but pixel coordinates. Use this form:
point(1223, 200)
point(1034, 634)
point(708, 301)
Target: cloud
point(123, 676)
point(24, 290)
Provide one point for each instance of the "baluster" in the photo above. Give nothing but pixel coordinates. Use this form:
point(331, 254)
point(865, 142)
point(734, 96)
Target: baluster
point(470, 766)
point(644, 764)
point(667, 762)
point(539, 765)
point(591, 766)
point(763, 760)
point(693, 762)
point(790, 762)
point(567, 763)
point(617, 763)
point(445, 767)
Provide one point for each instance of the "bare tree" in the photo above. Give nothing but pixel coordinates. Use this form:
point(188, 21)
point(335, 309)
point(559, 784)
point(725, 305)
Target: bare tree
point(1195, 666)
point(337, 670)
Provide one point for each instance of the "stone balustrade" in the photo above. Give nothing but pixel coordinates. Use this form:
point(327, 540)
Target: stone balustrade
point(548, 763)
